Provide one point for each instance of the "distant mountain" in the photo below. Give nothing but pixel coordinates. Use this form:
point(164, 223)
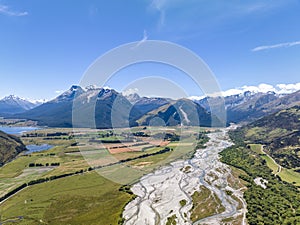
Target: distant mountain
point(57, 112)
point(178, 112)
point(10, 146)
point(93, 107)
point(106, 108)
point(132, 98)
point(283, 102)
point(249, 106)
point(280, 133)
point(145, 105)
point(13, 104)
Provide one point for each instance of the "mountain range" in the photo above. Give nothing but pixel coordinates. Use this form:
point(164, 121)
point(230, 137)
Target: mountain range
point(13, 104)
point(249, 106)
point(95, 107)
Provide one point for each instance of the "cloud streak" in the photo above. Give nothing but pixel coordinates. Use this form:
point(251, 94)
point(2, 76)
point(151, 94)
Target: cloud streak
point(280, 45)
point(159, 5)
point(5, 10)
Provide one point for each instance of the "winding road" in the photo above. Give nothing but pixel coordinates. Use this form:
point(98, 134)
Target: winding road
point(159, 193)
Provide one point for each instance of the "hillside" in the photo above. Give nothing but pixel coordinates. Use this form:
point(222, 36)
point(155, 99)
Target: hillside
point(249, 106)
point(280, 133)
point(180, 112)
point(144, 105)
point(10, 146)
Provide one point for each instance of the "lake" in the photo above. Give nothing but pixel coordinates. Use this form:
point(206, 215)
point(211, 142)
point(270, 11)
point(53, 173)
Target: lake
point(17, 130)
point(37, 148)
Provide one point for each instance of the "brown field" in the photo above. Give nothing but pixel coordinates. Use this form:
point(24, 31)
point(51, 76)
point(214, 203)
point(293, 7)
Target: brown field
point(129, 147)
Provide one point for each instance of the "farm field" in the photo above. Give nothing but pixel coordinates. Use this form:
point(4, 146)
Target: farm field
point(99, 164)
point(91, 199)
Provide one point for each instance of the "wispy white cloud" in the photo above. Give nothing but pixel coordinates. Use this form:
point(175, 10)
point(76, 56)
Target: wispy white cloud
point(5, 10)
point(288, 88)
point(38, 101)
point(130, 91)
point(145, 38)
point(280, 45)
point(160, 6)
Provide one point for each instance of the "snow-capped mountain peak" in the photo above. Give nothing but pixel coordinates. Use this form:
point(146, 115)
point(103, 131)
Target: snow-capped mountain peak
point(70, 94)
point(13, 98)
point(91, 88)
point(279, 90)
point(13, 103)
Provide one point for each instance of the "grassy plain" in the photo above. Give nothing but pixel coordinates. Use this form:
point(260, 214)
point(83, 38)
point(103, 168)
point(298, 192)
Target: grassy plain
point(285, 174)
point(89, 198)
point(80, 199)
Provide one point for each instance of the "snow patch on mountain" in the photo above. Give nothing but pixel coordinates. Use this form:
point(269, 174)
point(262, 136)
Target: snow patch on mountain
point(14, 100)
point(184, 115)
point(279, 89)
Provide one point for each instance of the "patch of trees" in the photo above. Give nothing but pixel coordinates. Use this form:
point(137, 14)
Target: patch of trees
point(59, 138)
point(126, 188)
point(12, 192)
point(74, 144)
point(55, 134)
point(140, 134)
point(42, 154)
point(279, 203)
point(165, 150)
point(162, 151)
point(172, 137)
point(33, 135)
point(287, 159)
point(202, 140)
point(110, 141)
point(41, 165)
point(133, 145)
point(54, 177)
point(121, 220)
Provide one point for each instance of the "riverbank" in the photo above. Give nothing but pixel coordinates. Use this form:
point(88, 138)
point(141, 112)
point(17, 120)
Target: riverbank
point(17, 122)
point(16, 130)
point(166, 194)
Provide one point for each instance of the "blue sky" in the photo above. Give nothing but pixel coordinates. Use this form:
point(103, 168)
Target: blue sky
point(46, 46)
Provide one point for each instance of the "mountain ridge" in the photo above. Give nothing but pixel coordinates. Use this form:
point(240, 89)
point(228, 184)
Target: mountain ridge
point(13, 104)
point(135, 110)
point(10, 147)
point(100, 108)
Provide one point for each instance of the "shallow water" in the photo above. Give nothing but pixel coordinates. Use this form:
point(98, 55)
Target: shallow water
point(37, 148)
point(17, 130)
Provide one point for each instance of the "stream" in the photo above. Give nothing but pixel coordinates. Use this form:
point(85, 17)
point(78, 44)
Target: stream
point(159, 193)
